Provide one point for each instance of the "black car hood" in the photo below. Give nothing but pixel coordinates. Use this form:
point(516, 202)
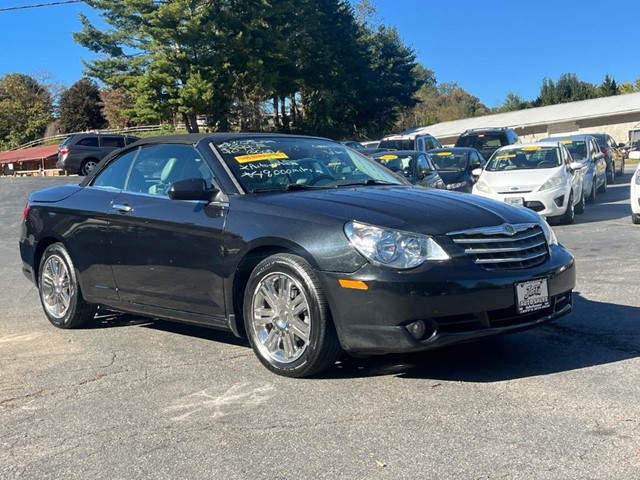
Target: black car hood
point(414, 209)
point(453, 177)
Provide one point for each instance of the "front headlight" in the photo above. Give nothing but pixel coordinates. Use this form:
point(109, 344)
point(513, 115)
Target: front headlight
point(548, 232)
point(552, 183)
point(482, 186)
point(455, 186)
point(392, 248)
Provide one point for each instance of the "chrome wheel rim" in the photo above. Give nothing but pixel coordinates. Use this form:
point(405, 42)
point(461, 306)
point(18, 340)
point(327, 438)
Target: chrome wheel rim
point(281, 319)
point(89, 166)
point(55, 284)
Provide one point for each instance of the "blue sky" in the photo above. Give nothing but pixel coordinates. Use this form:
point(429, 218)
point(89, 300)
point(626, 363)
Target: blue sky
point(489, 48)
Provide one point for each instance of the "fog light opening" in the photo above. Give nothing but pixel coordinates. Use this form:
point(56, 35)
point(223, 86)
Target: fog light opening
point(417, 329)
point(559, 201)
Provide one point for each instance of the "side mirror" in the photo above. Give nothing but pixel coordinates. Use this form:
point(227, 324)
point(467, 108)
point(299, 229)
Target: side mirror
point(191, 189)
point(476, 172)
point(598, 156)
point(575, 166)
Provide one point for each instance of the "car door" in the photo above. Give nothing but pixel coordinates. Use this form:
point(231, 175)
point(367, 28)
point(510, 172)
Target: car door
point(575, 176)
point(168, 254)
point(600, 164)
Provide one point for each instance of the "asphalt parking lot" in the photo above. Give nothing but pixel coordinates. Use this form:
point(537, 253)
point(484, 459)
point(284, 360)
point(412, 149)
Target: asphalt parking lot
point(134, 398)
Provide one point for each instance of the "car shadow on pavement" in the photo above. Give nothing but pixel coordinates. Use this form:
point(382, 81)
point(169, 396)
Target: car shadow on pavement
point(594, 334)
point(109, 319)
point(612, 205)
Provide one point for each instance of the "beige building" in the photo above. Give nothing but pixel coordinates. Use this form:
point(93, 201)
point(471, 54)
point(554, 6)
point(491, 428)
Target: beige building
point(619, 116)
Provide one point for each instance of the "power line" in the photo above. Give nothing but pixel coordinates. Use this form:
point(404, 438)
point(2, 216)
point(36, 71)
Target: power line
point(37, 5)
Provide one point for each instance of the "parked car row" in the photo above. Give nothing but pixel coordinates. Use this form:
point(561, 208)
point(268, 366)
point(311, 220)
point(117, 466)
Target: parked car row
point(555, 177)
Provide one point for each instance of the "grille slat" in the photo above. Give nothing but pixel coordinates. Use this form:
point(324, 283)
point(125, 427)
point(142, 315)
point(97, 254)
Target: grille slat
point(506, 247)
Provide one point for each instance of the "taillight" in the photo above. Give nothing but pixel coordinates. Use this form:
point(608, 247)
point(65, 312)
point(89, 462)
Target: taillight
point(604, 150)
point(25, 211)
point(64, 151)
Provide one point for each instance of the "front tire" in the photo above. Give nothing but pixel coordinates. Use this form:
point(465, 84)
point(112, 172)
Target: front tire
point(593, 194)
point(635, 218)
point(59, 290)
point(569, 214)
point(287, 318)
point(603, 187)
point(579, 208)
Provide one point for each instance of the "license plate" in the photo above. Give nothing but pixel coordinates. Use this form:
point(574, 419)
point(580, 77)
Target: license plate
point(532, 295)
point(518, 201)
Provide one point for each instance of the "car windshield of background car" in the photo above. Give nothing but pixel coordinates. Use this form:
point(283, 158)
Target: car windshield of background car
point(483, 141)
point(281, 163)
point(449, 161)
point(577, 148)
point(524, 158)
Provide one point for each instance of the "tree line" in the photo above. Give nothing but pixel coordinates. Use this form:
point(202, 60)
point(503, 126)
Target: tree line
point(321, 67)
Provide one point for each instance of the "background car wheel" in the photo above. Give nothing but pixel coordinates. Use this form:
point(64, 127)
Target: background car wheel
point(59, 290)
point(592, 194)
point(87, 166)
point(603, 187)
point(611, 174)
point(569, 214)
point(621, 167)
point(579, 208)
point(287, 318)
point(635, 218)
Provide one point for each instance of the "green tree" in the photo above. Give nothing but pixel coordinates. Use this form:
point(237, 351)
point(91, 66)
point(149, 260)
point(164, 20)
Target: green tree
point(26, 109)
point(608, 87)
point(512, 102)
point(569, 88)
point(81, 107)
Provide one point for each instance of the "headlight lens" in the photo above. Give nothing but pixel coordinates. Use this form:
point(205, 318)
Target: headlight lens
point(552, 183)
point(392, 248)
point(548, 232)
point(482, 186)
point(455, 186)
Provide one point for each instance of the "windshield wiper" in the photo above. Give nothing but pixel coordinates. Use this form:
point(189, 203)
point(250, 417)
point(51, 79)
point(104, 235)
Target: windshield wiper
point(370, 181)
point(290, 186)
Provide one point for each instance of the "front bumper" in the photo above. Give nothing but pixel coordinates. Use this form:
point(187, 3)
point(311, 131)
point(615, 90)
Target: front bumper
point(456, 300)
point(548, 203)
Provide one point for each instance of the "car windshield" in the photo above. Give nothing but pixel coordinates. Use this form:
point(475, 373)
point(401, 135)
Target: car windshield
point(449, 161)
point(577, 148)
point(264, 163)
point(483, 140)
point(397, 144)
point(524, 158)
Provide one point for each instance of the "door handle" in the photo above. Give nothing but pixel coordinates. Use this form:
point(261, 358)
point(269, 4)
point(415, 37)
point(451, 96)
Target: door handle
point(123, 208)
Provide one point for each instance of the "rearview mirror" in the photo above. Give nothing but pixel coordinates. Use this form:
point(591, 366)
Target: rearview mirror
point(476, 172)
point(575, 166)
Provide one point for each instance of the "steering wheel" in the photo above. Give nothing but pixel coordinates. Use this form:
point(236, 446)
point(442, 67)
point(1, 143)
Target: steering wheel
point(546, 164)
point(315, 180)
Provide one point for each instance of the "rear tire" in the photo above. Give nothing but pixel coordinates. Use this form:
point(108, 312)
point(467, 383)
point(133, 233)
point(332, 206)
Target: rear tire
point(88, 165)
point(287, 318)
point(59, 290)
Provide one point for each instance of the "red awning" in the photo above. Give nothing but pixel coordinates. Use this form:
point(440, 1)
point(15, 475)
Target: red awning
point(26, 154)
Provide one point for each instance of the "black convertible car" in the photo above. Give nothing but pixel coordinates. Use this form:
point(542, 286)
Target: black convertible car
point(303, 245)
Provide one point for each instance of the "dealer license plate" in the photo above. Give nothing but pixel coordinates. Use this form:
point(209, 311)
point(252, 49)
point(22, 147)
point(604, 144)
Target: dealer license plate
point(518, 201)
point(532, 295)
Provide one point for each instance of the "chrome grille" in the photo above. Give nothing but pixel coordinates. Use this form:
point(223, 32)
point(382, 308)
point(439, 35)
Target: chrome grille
point(504, 247)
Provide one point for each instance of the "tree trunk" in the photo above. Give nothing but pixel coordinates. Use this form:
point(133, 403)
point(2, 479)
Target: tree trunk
point(276, 115)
